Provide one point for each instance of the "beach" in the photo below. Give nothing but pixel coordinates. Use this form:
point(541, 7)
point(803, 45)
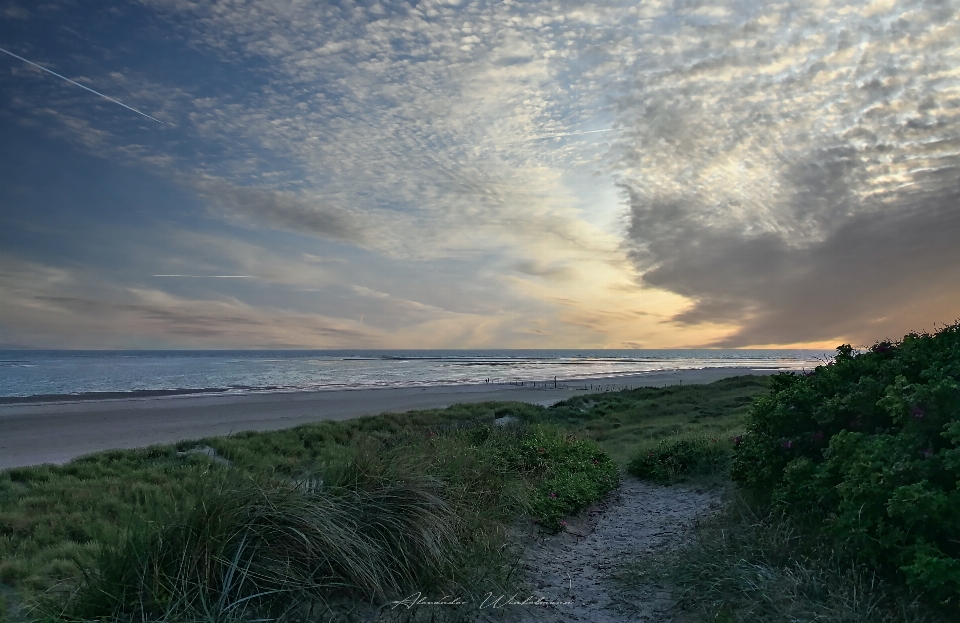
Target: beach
point(59, 431)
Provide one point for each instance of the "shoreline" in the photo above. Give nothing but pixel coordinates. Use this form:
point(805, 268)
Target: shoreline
point(246, 390)
point(35, 433)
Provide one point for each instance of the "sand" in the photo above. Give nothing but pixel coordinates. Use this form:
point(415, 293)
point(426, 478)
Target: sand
point(57, 432)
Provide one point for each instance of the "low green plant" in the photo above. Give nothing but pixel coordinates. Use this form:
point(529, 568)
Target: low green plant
point(673, 460)
point(573, 473)
point(868, 447)
point(55, 519)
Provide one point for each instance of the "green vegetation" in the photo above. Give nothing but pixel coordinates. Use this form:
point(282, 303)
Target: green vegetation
point(281, 523)
point(675, 460)
point(256, 551)
point(630, 424)
point(846, 477)
point(743, 566)
point(846, 502)
point(867, 451)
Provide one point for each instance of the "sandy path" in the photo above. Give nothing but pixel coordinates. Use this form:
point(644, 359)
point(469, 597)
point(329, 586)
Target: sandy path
point(57, 432)
point(575, 565)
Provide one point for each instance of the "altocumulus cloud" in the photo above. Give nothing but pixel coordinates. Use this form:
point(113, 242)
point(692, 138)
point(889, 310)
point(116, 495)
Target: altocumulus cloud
point(418, 114)
point(794, 169)
point(790, 169)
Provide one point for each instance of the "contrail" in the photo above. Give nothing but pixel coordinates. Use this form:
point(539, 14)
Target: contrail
point(79, 85)
point(210, 276)
point(538, 138)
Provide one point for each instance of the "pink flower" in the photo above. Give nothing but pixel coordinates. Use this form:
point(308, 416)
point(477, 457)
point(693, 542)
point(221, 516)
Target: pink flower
point(928, 452)
point(596, 462)
point(818, 436)
point(737, 440)
point(917, 413)
point(541, 450)
point(553, 495)
point(787, 444)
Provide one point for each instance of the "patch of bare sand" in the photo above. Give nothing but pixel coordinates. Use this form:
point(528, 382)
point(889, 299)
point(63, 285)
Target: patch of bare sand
point(573, 569)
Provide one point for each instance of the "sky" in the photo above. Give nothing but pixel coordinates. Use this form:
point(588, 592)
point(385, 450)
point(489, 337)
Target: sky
point(477, 174)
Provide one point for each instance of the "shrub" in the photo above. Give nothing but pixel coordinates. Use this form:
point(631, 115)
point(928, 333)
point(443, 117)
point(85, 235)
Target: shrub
point(867, 447)
point(673, 460)
point(572, 473)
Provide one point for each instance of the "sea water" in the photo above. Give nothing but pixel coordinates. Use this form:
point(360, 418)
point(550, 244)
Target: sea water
point(36, 373)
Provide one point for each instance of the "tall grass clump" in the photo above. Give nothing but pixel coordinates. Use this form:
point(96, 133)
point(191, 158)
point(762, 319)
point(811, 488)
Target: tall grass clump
point(866, 450)
point(247, 550)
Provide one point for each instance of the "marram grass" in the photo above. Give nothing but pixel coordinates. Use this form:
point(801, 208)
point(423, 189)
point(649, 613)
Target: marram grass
point(257, 549)
point(316, 517)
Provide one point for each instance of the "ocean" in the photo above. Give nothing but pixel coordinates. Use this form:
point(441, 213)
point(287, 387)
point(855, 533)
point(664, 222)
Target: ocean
point(96, 373)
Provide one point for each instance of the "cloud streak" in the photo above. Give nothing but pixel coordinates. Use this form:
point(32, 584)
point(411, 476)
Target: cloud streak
point(75, 83)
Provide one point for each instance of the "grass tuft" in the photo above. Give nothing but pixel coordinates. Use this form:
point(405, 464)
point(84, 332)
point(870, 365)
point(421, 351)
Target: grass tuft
point(256, 549)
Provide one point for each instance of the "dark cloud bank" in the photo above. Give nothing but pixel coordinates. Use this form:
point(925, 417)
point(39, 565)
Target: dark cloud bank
point(873, 276)
point(802, 189)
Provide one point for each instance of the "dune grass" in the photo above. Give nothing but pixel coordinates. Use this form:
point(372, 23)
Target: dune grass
point(267, 524)
point(630, 423)
point(260, 550)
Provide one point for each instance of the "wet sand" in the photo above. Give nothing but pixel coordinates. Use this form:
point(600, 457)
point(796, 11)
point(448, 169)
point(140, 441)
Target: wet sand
point(56, 432)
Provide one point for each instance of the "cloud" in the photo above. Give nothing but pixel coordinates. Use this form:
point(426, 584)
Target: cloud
point(872, 277)
point(12, 11)
point(552, 272)
point(794, 173)
point(367, 292)
point(54, 307)
point(468, 155)
point(379, 112)
point(284, 210)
